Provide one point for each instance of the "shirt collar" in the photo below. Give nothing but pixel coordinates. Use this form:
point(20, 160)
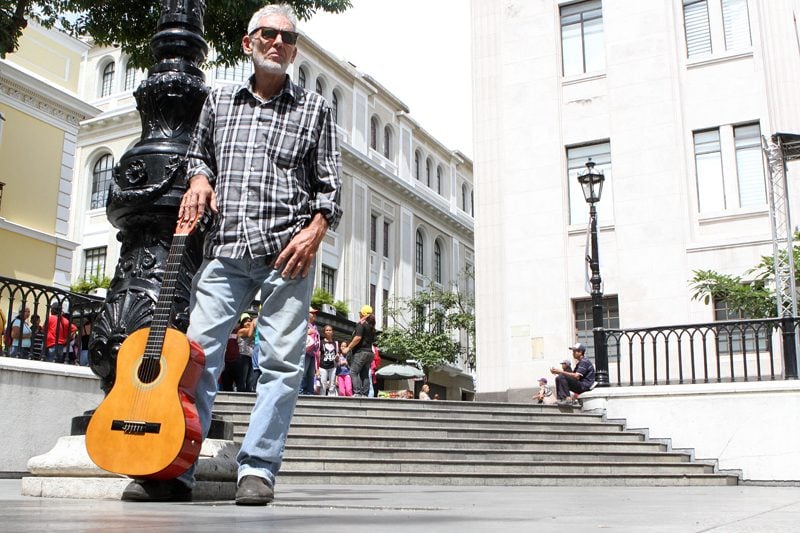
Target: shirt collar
point(289, 88)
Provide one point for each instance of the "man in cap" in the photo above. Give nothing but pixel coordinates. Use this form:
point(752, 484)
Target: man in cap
point(579, 380)
point(311, 362)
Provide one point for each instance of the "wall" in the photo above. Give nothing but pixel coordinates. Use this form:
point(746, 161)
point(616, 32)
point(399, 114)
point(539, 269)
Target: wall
point(39, 401)
point(752, 427)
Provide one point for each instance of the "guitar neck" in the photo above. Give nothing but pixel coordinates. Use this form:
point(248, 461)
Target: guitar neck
point(163, 308)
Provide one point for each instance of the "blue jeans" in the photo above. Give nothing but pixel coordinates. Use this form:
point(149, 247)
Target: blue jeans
point(221, 291)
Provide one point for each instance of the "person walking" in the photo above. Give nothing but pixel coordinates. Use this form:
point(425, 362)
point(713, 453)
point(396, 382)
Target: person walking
point(264, 158)
point(311, 359)
point(361, 348)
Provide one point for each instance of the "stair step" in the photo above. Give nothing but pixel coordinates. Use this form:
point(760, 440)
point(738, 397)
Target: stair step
point(385, 465)
point(456, 432)
point(532, 445)
point(347, 477)
point(486, 454)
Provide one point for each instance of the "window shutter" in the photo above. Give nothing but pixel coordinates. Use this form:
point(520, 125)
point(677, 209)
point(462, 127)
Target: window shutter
point(698, 32)
point(749, 166)
point(736, 21)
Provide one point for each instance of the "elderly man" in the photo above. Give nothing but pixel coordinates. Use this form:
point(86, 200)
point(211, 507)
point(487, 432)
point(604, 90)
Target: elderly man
point(264, 158)
point(579, 380)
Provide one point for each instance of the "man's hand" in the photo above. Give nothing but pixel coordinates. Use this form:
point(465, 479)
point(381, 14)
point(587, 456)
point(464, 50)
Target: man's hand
point(554, 370)
point(298, 256)
point(199, 195)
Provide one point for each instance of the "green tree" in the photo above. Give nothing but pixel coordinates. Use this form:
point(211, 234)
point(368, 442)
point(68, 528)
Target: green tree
point(434, 327)
point(753, 295)
point(131, 24)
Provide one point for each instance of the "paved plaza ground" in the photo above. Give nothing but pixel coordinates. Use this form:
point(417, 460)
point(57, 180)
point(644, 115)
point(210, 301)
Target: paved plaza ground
point(378, 509)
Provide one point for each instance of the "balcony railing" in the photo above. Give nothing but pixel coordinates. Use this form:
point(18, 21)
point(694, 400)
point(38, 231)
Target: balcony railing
point(739, 350)
point(16, 295)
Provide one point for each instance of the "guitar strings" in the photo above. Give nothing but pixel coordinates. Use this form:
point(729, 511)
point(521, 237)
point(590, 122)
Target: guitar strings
point(151, 364)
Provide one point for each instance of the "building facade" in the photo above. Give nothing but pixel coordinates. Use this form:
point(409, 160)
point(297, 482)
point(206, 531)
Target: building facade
point(670, 99)
point(407, 198)
point(40, 114)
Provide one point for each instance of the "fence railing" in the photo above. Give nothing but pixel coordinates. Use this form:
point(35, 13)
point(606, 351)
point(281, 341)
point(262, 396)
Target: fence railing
point(737, 350)
point(17, 295)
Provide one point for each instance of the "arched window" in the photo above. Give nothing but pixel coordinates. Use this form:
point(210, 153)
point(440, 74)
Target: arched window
point(107, 84)
point(417, 158)
point(464, 197)
point(101, 180)
point(335, 107)
point(301, 77)
point(387, 142)
point(437, 262)
point(132, 77)
point(318, 87)
point(373, 133)
point(428, 170)
point(420, 254)
point(439, 179)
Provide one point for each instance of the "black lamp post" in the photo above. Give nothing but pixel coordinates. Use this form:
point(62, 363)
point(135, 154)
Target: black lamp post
point(591, 181)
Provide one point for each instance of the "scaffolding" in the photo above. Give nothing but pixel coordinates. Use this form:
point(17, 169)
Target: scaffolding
point(784, 147)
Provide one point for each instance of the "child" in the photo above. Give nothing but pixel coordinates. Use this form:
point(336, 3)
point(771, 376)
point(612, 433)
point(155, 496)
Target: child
point(345, 383)
point(545, 395)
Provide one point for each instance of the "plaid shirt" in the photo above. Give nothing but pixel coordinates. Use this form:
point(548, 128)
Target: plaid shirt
point(273, 164)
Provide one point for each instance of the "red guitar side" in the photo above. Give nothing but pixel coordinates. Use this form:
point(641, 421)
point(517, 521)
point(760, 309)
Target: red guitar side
point(147, 426)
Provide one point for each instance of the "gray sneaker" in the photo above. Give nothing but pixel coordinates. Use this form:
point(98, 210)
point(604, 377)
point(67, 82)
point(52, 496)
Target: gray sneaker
point(565, 401)
point(254, 490)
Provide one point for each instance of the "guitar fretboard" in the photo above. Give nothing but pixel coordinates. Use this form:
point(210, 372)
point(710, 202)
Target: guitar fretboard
point(163, 309)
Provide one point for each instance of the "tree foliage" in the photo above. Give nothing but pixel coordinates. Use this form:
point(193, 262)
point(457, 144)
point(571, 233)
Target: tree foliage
point(434, 327)
point(753, 295)
point(131, 24)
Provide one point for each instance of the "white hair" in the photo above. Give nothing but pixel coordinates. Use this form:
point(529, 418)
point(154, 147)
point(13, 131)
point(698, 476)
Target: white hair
point(284, 10)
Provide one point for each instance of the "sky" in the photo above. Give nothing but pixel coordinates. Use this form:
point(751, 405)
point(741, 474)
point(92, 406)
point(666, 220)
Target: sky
point(418, 49)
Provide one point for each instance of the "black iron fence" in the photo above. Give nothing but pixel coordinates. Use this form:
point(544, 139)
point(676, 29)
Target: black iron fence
point(737, 350)
point(44, 301)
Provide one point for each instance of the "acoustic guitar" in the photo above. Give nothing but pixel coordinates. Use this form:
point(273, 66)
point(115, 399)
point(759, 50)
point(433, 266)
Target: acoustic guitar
point(147, 426)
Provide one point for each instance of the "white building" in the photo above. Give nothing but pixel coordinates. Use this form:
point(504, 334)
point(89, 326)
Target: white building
point(670, 98)
point(407, 198)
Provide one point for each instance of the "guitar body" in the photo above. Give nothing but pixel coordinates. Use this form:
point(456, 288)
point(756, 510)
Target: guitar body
point(147, 426)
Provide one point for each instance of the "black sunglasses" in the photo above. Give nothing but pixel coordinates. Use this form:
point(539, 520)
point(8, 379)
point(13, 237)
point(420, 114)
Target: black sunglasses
point(269, 34)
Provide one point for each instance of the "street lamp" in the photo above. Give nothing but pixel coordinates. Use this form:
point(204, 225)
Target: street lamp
point(591, 181)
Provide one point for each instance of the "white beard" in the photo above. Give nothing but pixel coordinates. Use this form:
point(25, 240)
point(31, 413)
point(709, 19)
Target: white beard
point(267, 65)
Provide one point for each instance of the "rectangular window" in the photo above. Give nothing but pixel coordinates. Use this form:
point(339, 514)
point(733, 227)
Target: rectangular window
point(583, 323)
point(749, 165)
point(734, 339)
point(329, 279)
point(577, 157)
point(697, 27)
point(386, 232)
point(373, 293)
point(736, 21)
point(373, 233)
point(708, 165)
point(582, 44)
point(94, 263)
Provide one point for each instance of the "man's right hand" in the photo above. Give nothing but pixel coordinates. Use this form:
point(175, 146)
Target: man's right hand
point(199, 195)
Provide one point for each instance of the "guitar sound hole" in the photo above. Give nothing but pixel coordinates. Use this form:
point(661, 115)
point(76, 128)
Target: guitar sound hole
point(149, 370)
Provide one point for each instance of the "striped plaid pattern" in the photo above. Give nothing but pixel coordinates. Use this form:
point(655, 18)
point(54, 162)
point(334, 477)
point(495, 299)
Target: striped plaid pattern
point(273, 164)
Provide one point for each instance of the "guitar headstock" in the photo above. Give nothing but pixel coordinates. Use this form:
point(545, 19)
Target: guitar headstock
point(186, 227)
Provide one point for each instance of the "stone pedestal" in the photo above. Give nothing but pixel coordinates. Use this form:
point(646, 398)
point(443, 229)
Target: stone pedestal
point(66, 471)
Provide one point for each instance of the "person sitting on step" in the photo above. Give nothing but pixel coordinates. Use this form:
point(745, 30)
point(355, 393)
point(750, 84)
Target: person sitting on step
point(580, 380)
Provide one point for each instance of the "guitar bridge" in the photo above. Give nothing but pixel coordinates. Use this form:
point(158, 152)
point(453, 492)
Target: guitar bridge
point(135, 427)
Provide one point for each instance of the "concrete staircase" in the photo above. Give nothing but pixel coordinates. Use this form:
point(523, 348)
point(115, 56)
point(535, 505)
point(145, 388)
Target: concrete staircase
point(377, 441)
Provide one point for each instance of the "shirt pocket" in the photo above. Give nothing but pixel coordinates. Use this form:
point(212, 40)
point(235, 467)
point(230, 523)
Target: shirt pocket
point(290, 145)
